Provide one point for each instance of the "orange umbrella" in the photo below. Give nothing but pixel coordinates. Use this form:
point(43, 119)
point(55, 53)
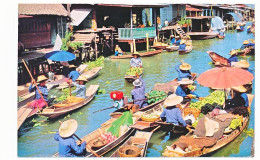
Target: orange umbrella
point(225, 77)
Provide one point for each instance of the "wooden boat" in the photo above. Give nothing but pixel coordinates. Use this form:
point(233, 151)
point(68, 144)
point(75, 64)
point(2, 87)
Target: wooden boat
point(131, 79)
point(96, 134)
point(91, 74)
point(144, 54)
point(219, 144)
point(160, 46)
point(188, 49)
point(218, 58)
point(221, 37)
point(145, 125)
point(202, 35)
point(140, 139)
point(172, 48)
point(24, 95)
point(63, 108)
point(193, 75)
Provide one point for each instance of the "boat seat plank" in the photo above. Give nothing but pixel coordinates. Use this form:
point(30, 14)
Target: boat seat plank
point(92, 89)
point(22, 114)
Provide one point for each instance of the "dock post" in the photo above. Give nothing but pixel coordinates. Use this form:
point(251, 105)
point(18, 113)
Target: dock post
point(147, 42)
point(131, 47)
point(96, 48)
point(232, 24)
point(227, 24)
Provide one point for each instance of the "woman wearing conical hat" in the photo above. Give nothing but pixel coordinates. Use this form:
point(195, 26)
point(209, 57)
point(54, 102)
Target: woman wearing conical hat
point(80, 87)
point(240, 98)
point(171, 113)
point(139, 92)
point(182, 45)
point(38, 102)
point(183, 70)
point(136, 60)
point(233, 57)
point(67, 144)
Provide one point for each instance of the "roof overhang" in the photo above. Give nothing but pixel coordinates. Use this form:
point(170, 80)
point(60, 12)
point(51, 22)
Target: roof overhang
point(200, 17)
point(135, 5)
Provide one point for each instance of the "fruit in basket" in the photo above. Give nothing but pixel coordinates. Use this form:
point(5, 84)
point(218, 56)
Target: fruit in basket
point(133, 71)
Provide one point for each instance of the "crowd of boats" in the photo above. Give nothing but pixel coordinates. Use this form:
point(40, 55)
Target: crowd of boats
point(133, 134)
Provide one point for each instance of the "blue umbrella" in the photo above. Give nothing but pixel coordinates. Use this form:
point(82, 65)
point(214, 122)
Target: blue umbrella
point(60, 56)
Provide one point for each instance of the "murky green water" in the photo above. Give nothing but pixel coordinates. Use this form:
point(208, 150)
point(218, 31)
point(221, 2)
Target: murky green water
point(35, 139)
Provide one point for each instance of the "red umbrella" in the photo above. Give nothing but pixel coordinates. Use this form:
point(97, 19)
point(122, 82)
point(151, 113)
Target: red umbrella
point(225, 77)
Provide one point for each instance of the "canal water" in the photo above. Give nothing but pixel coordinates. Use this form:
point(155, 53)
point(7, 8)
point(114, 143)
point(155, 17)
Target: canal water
point(35, 137)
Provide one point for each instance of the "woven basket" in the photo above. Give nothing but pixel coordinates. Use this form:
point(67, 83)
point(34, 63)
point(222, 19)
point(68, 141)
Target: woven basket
point(194, 111)
point(129, 151)
point(150, 119)
point(98, 143)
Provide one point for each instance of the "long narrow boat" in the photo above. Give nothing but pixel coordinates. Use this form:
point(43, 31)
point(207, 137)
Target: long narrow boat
point(202, 35)
point(97, 133)
point(193, 75)
point(221, 37)
point(140, 139)
point(54, 112)
point(188, 49)
point(218, 58)
point(144, 54)
point(196, 152)
point(90, 74)
point(172, 48)
point(130, 79)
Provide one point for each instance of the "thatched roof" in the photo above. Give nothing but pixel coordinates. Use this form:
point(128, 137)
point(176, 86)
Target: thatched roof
point(42, 9)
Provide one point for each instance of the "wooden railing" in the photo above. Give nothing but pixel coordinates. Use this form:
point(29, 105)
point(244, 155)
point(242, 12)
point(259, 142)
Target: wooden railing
point(136, 33)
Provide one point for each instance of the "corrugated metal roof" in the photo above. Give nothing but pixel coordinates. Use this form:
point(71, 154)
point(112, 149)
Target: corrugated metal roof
point(42, 9)
point(78, 15)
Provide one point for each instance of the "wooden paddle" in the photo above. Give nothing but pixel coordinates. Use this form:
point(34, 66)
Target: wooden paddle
point(104, 109)
point(34, 82)
point(82, 141)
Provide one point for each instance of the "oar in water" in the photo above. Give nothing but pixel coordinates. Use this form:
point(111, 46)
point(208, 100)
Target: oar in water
point(86, 145)
point(104, 109)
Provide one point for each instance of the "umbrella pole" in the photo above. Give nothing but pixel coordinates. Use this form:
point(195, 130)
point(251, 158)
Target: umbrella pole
point(225, 98)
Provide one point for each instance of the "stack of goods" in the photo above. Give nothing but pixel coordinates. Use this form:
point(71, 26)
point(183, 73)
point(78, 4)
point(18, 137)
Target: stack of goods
point(158, 95)
point(133, 71)
point(217, 98)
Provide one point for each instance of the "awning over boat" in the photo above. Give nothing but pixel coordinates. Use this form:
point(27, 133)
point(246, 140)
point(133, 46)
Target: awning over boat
point(192, 9)
point(237, 17)
point(78, 15)
point(217, 23)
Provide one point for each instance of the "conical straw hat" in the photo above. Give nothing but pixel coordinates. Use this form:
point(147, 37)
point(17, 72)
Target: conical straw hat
point(245, 42)
point(232, 52)
point(239, 89)
point(172, 100)
point(185, 66)
point(182, 41)
point(82, 78)
point(243, 64)
point(68, 128)
point(41, 78)
point(185, 81)
point(136, 53)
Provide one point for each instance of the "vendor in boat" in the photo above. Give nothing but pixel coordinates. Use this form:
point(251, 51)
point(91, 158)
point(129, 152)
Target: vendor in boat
point(184, 91)
point(183, 70)
point(182, 45)
point(136, 60)
point(248, 29)
point(178, 40)
point(118, 50)
point(240, 98)
point(244, 45)
point(233, 57)
point(38, 102)
point(118, 98)
point(172, 40)
point(138, 92)
point(74, 74)
point(67, 144)
point(81, 87)
point(171, 113)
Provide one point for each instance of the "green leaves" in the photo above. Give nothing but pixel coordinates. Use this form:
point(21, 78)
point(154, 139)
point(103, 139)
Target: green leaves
point(133, 71)
point(101, 91)
point(156, 94)
point(235, 123)
point(97, 63)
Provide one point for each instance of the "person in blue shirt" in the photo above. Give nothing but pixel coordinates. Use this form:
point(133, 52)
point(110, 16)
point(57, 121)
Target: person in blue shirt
point(136, 60)
point(172, 40)
point(248, 29)
point(182, 45)
point(240, 98)
point(183, 70)
point(233, 57)
point(171, 113)
point(67, 144)
point(38, 102)
point(74, 74)
point(184, 91)
point(118, 50)
point(178, 41)
point(80, 87)
point(221, 33)
point(244, 45)
point(139, 92)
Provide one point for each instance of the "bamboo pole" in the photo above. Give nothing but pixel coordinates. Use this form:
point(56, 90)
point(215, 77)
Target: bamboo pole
point(147, 42)
point(34, 82)
point(134, 45)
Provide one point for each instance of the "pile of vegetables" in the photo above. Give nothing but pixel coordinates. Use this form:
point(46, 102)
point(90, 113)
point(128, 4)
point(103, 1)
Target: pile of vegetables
point(209, 107)
point(133, 71)
point(108, 136)
point(191, 87)
point(217, 98)
point(97, 63)
point(235, 123)
point(160, 95)
point(66, 93)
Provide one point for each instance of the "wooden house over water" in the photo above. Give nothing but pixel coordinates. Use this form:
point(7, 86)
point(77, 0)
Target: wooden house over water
point(38, 27)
